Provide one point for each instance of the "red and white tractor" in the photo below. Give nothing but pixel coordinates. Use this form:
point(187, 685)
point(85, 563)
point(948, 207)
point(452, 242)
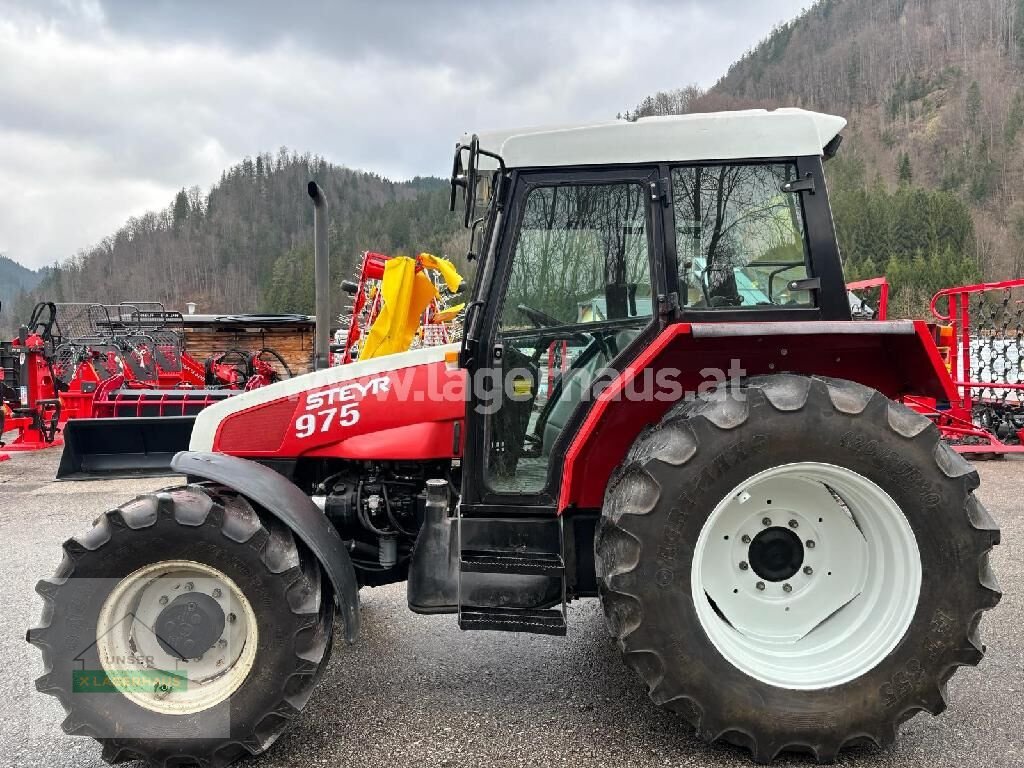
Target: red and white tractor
point(789, 557)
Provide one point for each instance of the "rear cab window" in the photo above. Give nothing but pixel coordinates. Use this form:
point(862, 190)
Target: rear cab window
point(740, 239)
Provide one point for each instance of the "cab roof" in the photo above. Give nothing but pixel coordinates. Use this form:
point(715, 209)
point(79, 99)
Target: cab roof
point(752, 133)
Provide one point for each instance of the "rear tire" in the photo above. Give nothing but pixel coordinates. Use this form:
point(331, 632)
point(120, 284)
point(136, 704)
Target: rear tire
point(159, 557)
point(685, 478)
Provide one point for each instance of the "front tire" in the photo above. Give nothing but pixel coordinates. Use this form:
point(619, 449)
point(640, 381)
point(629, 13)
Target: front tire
point(183, 629)
point(726, 516)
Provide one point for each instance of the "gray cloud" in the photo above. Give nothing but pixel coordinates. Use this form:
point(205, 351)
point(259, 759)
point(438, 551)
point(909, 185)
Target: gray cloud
point(108, 107)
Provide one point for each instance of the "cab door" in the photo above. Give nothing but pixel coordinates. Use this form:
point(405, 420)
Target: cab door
point(573, 293)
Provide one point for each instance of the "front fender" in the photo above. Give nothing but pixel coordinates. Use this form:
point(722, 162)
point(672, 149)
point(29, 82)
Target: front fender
point(291, 506)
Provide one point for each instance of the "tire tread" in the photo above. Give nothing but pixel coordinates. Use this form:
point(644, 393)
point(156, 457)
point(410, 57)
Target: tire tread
point(239, 522)
point(712, 413)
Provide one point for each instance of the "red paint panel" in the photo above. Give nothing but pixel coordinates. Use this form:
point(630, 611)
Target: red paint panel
point(413, 442)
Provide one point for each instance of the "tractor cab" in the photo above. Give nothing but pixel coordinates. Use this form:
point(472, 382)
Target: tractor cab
point(593, 239)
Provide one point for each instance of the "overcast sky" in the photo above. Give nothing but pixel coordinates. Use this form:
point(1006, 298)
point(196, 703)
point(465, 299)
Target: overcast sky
point(107, 107)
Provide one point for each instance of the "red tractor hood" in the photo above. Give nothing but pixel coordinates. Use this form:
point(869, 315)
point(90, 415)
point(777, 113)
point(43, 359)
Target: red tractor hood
point(402, 406)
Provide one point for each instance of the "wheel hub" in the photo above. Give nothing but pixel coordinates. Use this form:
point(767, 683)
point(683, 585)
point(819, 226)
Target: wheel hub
point(187, 626)
point(776, 554)
point(190, 625)
point(806, 575)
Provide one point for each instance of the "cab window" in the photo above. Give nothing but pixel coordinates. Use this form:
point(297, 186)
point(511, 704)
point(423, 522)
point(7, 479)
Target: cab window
point(581, 257)
point(739, 238)
point(578, 292)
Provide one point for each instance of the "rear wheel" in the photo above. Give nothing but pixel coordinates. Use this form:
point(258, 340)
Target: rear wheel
point(798, 565)
point(183, 629)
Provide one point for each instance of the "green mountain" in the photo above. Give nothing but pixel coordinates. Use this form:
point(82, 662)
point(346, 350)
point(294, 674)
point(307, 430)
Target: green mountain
point(934, 94)
point(246, 245)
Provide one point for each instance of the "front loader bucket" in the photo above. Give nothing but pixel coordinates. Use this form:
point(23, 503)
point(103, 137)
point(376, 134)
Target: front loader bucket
point(125, 447)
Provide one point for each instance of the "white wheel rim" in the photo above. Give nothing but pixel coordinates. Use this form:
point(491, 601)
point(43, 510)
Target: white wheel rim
point(140, 667)
point(850, 601)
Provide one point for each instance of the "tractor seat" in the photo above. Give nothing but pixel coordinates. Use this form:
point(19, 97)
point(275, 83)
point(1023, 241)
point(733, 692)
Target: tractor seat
point(570, 394)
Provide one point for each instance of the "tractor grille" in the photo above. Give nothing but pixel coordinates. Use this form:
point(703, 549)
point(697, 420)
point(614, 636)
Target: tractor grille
point(258, 430)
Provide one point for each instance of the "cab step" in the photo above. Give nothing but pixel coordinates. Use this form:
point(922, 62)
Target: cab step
point(504, 561)
point(510, 569)
point(538, 622)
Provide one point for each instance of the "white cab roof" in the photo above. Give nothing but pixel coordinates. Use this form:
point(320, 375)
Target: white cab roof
point(752, 133)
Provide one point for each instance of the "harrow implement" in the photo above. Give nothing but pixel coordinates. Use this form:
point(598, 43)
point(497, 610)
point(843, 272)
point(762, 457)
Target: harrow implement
point(986, 354)
point(979, 330)
point(398, 303)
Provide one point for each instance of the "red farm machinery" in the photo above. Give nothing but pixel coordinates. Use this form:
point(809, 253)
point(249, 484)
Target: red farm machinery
point(419, 294)
point(114, 380)
point(979, 332)
point(660, 399)
point(76, 366)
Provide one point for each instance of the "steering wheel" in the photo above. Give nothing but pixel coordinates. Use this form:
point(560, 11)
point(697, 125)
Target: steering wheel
point(544, 320)
point(716, 301)
point(538, 318)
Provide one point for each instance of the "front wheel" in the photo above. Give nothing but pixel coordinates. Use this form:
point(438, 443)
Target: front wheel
point(797, 565)
point(183, 629)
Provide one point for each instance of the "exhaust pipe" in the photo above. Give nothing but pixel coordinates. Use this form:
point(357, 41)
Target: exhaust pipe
point(322, 277)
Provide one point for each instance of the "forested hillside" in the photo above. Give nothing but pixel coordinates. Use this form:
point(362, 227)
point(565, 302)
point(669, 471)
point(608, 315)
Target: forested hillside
point(929, 183)
point(246, 246)
point(927, 188)
point(15, 280)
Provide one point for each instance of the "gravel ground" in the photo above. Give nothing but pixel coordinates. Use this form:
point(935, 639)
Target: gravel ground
point(416, 691)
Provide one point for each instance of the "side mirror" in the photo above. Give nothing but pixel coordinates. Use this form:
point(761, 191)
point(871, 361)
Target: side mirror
point(470, 188)
point(465, 178)
point(471, 254)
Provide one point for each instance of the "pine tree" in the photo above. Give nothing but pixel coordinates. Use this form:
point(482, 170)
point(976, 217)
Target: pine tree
point(180, 209)
point(905, 172)
point(1015, 117)
point(973, 107)
point(1018, 246)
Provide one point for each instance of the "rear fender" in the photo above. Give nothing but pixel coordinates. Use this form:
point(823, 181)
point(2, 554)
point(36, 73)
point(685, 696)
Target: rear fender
point(291, 506)
point(895, 357)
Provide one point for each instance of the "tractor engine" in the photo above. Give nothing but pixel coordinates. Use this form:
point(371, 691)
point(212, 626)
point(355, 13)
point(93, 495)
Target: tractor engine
point(378, 508)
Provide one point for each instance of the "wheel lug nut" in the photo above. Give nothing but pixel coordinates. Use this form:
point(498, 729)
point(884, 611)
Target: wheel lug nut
point(794, 524)
point(231, 618)
point(787, 587)
point(222, 643)
point(189, 586)
point(163, 600)
point(808, 570)
point(217, 593)
point(760, 586)
point(743, 565)
point(810, 543)
point(766, 521)
point(745, 539)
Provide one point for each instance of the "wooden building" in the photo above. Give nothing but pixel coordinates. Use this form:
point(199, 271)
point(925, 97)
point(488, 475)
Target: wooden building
point(289, 335)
